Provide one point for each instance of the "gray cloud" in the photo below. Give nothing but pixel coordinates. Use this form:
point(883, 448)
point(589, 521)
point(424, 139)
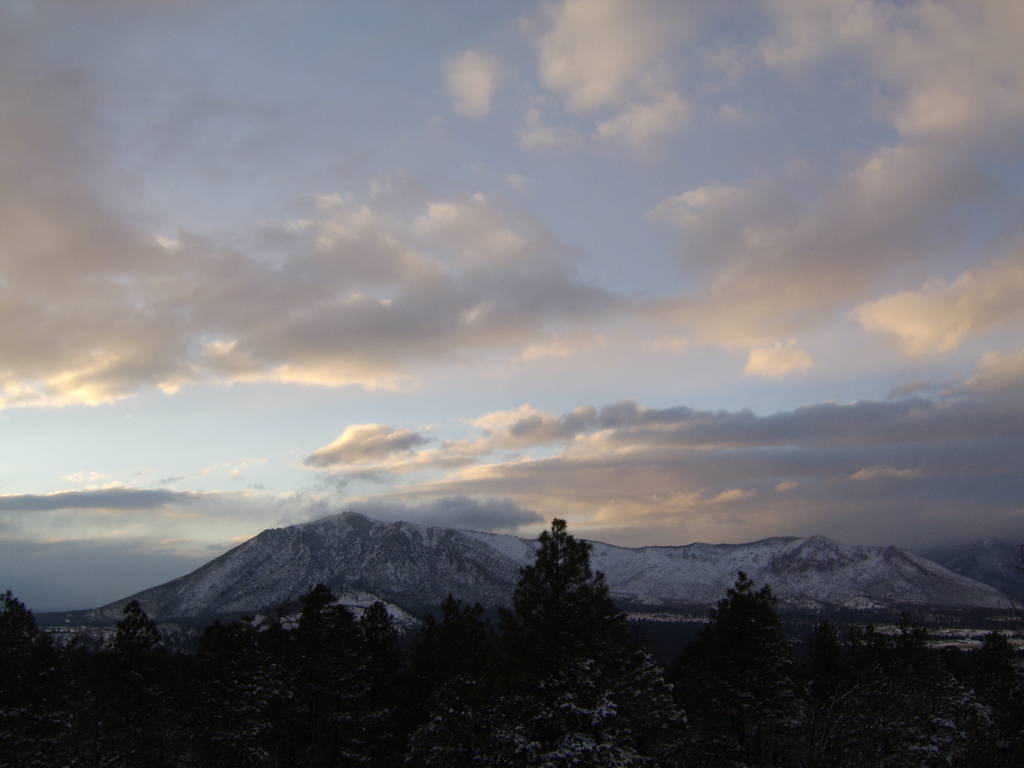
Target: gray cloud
point(775, 264)
point(491, 514)
point(107, 498)
point(95, 307)
point(869, 422)
point(882, 472)
point(783, 253)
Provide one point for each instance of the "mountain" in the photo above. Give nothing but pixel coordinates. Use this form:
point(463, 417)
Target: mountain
point(416, 566)
point(994, 562)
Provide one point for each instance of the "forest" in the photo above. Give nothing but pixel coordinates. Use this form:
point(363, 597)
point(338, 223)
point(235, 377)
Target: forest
point(558, 679)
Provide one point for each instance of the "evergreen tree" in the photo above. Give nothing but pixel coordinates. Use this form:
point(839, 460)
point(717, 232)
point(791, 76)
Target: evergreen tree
point(997, 675)
point(35, 719)
point(379, 660)
point(574, 691)
point(562, 609)
point(825, 689)
point(903, 708)
point(137, 639)
point(736, 684)
point(334, 719)
point(238, 686)
point(135, 723)
point(449, 686)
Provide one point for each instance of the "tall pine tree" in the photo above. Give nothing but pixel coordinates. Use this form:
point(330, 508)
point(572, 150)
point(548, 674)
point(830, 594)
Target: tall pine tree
point(574, 691)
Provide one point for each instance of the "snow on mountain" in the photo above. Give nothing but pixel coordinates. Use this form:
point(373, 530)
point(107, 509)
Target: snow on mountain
point(415, 566)
point(995, 562)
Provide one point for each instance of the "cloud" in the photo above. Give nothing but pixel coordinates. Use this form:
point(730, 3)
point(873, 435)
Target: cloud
point(807, 30)
point(517, 181)
point(361, 297)
point(526, 426)
point(950, 69)
point(537, 135)
point(183, 523)
point(793, 249)
point(360, 443)
point(96, 306)
point(922, 468)
point(593, 52)
point(733, 494)
point(105, 498)
point(454, 512)
point(769, 262)
point(940, 316)
point(777, 361)
point(875, 473)
point(642, 124)
point(472, 78)
point(998, 373)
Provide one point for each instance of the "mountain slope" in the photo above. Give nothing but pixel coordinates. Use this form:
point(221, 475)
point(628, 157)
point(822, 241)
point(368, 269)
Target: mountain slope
point(991, 561)
point(415, 565)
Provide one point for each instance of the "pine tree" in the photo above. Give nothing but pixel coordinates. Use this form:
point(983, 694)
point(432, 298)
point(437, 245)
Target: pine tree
point(997, 675)
point(904, 709)
point(562, 609)
point(450, 687)
point(137, 638)
point(136, 721)
point(573, 691)
point(35, 720)
point(379, 659)
point(238, 687)
point(736, 682)
point(334, 720)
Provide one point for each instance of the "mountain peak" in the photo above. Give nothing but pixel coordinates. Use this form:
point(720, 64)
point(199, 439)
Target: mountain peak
point(416, 566)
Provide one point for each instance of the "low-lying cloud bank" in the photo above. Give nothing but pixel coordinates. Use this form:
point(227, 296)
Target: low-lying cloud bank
point(913, 471)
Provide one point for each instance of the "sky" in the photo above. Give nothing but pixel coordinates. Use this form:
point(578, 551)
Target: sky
point(672, 271)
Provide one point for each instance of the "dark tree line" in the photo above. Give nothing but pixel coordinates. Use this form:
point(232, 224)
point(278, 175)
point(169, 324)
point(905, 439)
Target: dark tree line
point(558, 680)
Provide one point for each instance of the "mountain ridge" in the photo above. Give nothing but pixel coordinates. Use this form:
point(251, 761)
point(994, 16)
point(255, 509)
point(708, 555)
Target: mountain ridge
point(414, 565)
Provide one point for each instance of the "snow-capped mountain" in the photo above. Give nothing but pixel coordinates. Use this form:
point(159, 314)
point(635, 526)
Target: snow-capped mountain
point(994, 562)
point(414, 566)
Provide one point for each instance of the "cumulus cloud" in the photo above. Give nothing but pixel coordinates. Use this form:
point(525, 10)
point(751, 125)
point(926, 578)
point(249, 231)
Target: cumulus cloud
point(360, 443)
point(593, 51)
point(999, 373)
point(642, 124)
point(807, 30)
point(360, 297)
point(526, 426)
point(777, 361)
point(769, 259)
point(952, 69)
point(472, 78)
point(940, 316)
point(95, 306)
point(773, 264)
